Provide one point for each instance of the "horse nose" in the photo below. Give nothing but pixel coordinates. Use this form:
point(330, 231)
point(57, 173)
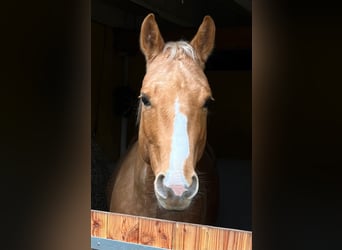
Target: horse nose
point(176, 189)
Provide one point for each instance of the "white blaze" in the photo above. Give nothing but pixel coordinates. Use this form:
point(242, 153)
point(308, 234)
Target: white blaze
point(179, 149)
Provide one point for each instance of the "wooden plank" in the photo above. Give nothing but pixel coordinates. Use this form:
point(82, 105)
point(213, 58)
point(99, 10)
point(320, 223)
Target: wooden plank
point(178, 236)
point(98, 224)
point(189, 236)
point(167, 234)
point(155, 232)
point(235, 240)
point(245, 241)
point(216, 240)
point(124, 228)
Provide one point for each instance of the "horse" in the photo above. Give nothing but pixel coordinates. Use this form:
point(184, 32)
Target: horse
point(169, 172)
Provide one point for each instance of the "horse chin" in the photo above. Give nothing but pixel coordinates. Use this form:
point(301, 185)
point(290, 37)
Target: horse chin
point(175, 204)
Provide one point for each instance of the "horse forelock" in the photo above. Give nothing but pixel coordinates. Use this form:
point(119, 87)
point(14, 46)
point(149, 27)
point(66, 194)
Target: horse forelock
point(174, 50)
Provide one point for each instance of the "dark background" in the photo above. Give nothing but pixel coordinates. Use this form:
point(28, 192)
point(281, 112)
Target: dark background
point(118, 68)
point(46, 125)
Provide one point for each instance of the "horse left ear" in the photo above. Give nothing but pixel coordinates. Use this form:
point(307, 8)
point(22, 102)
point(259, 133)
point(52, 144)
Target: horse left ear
point(204, 40)
point(151, 41)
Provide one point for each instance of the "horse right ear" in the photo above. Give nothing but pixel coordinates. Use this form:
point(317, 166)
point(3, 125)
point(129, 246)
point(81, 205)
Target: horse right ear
point(151, 41)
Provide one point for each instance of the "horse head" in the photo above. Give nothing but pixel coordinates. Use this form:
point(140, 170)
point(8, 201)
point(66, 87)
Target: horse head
point(173, 110)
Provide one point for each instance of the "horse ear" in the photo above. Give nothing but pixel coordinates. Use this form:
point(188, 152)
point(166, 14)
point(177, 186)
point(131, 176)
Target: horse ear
point(151, 41)
point(203, 42)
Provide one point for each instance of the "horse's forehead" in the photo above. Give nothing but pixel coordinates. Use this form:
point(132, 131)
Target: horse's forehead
point(171, 78)
point(169, 91)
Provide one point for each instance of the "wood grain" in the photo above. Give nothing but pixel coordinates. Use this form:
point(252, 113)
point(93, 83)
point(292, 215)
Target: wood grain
point(167, 234)
point(229, 239)
point(155, 232)
point(98, 224)
point(124, 228)
point(188, 236)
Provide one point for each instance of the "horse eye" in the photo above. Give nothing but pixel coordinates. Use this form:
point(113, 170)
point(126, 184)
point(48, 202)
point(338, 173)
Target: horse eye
point(145, 100)
point(207, 102)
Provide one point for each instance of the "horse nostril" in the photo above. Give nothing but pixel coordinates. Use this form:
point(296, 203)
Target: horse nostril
point(193, 189)
point(159, 186)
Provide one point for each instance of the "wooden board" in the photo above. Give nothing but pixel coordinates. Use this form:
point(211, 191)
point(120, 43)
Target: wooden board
point(167, 234)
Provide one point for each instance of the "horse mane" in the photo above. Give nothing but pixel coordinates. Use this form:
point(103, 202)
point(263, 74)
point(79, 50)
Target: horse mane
point(177, 49)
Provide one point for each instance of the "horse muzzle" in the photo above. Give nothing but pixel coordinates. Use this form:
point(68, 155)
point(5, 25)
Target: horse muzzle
point(175, 196)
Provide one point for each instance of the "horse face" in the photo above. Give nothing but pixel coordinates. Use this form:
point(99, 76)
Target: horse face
point(173, 112)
